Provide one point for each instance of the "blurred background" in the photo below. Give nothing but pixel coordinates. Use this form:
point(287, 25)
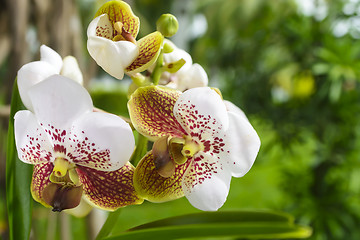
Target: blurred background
point(292, 66)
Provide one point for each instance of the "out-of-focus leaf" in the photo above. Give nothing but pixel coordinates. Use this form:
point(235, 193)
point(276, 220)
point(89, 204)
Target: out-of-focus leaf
point(18, 178)
point(335, 91)
point(241, 224)
point(320, 68)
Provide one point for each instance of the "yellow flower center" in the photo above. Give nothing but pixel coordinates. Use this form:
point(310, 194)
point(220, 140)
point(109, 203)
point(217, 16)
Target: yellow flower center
point(122, 34)
point(183, 148)
point(61, 167)
point(190, 147)
point(64, 173)
point(168, 151)
point(65, 190)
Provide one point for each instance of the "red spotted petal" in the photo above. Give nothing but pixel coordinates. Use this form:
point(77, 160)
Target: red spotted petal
point(202, 113)
point(32, 142)
point(149, 47)
point(151, 112)
point(40, 180)
point(109, 190)
point(151, 186)
point(207, 182)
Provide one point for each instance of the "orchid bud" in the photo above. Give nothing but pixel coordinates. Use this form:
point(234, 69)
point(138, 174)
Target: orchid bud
point(167, 24)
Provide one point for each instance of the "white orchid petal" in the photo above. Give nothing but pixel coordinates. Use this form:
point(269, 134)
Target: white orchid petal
point(194, 77)
point(71, 69)
point(199, 75)
point(101, 27)
point(235, 109)
point(58, 101)
point(207, 183)
point(101, 141)
point(202, 113)
point(50, 56)
point(243, 144)
point(32, 143)
point(31, 74)
point(112, 56)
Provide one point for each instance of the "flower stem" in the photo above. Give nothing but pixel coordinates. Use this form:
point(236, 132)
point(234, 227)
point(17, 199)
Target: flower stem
point(139, 79)
point(156, 74)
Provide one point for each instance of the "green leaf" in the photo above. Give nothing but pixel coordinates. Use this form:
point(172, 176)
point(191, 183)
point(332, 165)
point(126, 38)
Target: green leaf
point(109, 224)
point(240, 224)
point(18, 179)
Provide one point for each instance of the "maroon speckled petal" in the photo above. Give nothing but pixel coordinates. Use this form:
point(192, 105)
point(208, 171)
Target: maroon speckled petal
point(203, 168)
point(202, 113)
point(151, 186)
point(100, 141)
point(206, 184)
point(32, 141)
point(109, 190)
point(40, 180)
point(149, 50)
point(151, 112)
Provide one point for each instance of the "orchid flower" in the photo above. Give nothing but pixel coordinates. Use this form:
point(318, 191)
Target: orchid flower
point(75, 151)
point(199, 144)
point(112, 41)
point(50, 63)
point(188, 76)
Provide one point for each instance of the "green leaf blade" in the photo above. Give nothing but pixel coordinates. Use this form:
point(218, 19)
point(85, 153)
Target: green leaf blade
point(18, 179)
point(220, 217)
point(244, 224)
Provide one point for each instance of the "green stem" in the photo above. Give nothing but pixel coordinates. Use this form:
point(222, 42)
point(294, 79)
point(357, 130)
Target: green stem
point(109, 224)
point(139, 79)
point(156, 74)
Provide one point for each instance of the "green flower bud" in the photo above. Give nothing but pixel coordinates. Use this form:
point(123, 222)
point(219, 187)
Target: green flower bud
point(168, 48)
point(167, 24)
